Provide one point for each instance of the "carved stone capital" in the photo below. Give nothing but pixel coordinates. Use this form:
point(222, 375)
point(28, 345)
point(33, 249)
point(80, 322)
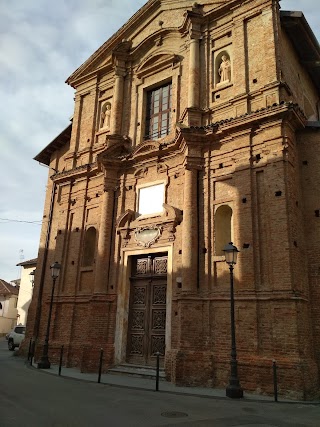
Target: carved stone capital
point(193, 163)
point(192, 23)
point(110, 187)
point(120, 71)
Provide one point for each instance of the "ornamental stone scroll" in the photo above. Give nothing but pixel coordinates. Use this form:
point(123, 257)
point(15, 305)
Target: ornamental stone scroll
point(146, 236)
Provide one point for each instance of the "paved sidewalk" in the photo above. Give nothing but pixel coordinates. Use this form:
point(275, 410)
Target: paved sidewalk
point(133, 382)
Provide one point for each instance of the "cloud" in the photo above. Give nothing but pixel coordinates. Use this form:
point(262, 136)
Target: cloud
point(43, 42)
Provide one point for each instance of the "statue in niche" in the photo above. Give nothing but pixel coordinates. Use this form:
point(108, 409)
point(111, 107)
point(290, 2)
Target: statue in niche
point(105, 116)
point(225, 69)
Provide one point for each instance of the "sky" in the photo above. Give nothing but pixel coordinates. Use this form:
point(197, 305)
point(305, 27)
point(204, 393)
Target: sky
point(41, 43)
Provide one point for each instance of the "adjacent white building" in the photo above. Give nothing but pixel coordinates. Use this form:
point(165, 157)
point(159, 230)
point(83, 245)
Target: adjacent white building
point(26, 289)
point(8, 306)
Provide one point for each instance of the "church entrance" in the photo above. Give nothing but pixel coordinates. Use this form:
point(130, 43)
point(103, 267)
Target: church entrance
point(147, 309)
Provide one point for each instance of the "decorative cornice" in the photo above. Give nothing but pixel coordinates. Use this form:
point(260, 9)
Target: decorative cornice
point(192, 22)
point(256, 116)
point(111, 43)
point(75, 173)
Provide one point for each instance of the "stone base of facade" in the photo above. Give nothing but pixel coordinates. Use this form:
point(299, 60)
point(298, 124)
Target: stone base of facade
point(188, 368)
point(296, 380)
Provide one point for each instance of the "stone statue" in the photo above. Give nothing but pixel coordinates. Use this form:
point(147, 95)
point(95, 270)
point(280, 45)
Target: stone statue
point(105, 116)
point(225, 69)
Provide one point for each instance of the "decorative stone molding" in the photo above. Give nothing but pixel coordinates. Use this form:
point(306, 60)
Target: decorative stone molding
point(118, 148)
point(120, 56)
point(141, 172)
point(146, 148)
point(162, 168)
point(157, 62)
point(89, 169)
point(163, 226)
point(125, 219)
point(173, 213)
point(192, 22)
point(146, 236)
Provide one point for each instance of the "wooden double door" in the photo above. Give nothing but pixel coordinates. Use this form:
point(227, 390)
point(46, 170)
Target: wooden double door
point(147, 309)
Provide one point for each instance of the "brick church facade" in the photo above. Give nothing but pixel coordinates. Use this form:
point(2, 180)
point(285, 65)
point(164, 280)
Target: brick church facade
point(194, 125)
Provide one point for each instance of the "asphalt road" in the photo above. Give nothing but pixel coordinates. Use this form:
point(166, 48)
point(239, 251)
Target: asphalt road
point(33, 398)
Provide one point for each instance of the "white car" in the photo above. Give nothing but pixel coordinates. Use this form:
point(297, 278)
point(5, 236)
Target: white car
point(16, 336)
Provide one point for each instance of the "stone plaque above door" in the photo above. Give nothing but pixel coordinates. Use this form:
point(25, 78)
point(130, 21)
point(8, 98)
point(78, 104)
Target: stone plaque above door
point(146, 236)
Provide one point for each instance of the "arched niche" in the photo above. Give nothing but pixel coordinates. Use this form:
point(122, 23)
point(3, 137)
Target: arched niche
point(222, 227)
point(222, 68)
point(105, 116)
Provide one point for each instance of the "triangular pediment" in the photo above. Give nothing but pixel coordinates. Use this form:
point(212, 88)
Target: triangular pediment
point(103, 56)
point(155, 62)
point(146, 16)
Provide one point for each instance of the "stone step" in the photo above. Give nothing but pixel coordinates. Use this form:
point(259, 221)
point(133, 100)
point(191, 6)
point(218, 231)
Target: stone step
point(137, 371)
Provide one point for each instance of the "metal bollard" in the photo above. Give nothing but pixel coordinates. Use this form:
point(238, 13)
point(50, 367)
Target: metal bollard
point(100, 365)
point(275, 380)
point(29, 351)
point(32, 351)
point(158, 371)
point(60, 361)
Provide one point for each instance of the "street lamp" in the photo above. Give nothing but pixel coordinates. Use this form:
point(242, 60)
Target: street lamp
point(32, 277)
point(234, 389)
point(44, 361)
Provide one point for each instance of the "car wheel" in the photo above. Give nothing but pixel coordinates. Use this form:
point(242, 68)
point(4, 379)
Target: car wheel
point(10, 345)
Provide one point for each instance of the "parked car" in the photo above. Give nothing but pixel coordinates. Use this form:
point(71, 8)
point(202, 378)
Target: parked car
point(16, 336)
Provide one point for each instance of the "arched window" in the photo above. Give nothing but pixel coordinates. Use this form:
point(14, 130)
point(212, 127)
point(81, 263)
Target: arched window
point(222, 227)
point(89, 247)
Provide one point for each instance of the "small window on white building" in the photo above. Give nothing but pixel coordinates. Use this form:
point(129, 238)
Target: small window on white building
point(151, 199)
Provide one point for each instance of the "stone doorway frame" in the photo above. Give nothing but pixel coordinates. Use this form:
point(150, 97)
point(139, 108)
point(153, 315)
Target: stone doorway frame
point(122, 316)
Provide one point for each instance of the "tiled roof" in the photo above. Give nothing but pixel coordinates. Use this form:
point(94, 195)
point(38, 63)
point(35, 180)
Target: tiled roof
point(289, 105)
point(29, 262)
point(63, 138)
point(7, 289)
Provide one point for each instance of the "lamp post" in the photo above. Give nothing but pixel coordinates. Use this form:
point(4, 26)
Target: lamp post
point(44, 361)
point(233, 389)
point(32, 277)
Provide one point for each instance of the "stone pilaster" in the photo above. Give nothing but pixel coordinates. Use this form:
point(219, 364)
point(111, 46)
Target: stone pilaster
point(189, 232)
point(117, 110)
point(120, 57)
point(191, 29)
point(194, 71)
point(105, 235)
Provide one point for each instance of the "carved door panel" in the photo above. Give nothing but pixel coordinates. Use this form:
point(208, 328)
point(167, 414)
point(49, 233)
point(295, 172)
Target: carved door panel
point(147, 313)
